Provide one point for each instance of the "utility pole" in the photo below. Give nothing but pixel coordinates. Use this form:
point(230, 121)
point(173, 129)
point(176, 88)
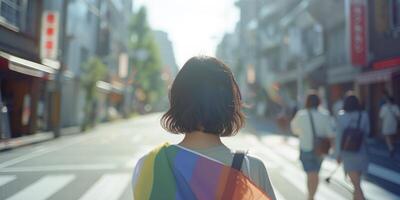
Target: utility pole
point(58, 88)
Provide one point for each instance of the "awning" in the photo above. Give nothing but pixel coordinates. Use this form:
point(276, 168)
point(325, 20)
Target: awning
point(108, 87)
point(376, 76)
point(27, 67)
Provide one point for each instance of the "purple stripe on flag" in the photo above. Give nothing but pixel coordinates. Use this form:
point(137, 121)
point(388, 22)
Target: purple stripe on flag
point(205, 178)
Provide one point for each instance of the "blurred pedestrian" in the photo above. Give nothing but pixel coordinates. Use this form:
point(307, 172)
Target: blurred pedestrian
point(205, 105)
point(389, 115)
point(337, 107)
point(283, 119)
point(352, 131)
point(384, 98)
point(314, 128)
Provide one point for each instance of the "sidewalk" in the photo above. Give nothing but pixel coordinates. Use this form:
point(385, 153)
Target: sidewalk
point(382, 170)
point(34, 138)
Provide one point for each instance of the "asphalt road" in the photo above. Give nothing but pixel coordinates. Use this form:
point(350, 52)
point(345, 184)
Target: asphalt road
point(98, 164)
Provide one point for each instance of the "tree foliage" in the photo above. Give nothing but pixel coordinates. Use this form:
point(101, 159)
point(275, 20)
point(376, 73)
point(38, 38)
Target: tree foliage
point(146, 60)
point(92, 71)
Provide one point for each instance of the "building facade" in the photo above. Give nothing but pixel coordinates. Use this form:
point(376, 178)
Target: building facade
point(33, 46)
point(331, 46)
point(24, 100)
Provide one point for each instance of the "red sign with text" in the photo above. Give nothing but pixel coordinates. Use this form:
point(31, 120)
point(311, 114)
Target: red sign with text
point(358, 32)
point(49, 35)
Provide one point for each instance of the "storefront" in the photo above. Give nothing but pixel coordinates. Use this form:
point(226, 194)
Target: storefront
point(373, 87)
point(23, 86)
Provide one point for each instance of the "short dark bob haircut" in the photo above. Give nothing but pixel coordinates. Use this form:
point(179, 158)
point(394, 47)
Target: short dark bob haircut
point(312, 100)
point(204, 97)
point(351, 103)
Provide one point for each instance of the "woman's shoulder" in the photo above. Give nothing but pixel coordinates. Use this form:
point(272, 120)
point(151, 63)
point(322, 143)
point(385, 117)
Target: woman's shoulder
point(323, 111)
point(349, 115)
point(301, 113)
point(255, 162)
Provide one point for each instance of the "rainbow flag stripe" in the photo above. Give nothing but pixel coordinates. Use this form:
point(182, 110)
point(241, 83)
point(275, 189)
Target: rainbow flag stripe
point(172, 172)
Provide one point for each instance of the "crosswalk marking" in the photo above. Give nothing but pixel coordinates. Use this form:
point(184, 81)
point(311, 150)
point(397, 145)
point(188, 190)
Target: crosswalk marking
point(78, 167)
point(6, 179)
point(43, 188)
point(283, 159)
point(44, 151)
point(384, 173)
point(108, 187)
point(278, 195)
point(374, 192)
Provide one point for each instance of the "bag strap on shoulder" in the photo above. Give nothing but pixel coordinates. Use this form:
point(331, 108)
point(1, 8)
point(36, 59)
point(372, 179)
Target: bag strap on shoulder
point(359, 119)
point(312, 124)
point(238, 160)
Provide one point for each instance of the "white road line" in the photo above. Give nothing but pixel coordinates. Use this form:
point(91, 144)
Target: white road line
point(40, 152)
point(23, 158)
point(372, 191)
point(108, 187)
point(43, 188)
point(6, 179)
point(278, 195)
point(384, 173)
point(82, 167)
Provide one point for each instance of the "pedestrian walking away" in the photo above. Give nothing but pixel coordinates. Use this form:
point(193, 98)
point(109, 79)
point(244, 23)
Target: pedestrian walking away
point(205, 105)
point(314, 128)
point(389, 115)
point(351, 147)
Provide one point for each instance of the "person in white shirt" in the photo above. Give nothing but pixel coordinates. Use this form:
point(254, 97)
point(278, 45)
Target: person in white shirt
point(389, 115)
point(301, 126)
point(337, 106)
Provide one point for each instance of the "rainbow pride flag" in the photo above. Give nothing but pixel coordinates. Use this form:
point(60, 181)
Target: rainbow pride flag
point(172, 172)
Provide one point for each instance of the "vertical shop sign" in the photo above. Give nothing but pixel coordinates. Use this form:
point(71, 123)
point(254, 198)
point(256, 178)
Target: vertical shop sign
point(357, 18)
point(49, 35)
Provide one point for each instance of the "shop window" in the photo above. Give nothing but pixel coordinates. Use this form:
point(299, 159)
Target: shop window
point(396, 14)
point(13, 13)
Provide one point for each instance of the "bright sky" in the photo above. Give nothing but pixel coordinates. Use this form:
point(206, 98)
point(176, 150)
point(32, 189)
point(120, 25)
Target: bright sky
point(194, 26)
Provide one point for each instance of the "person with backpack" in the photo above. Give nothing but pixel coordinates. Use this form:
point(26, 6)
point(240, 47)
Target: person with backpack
point(313, 125)
point(351, 148)
point(205, 105)
point(389, 115)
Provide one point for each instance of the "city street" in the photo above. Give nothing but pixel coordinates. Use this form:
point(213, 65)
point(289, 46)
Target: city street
point(97, 165)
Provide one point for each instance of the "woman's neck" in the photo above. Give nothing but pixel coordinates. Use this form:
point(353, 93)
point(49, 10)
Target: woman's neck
point(200, 140)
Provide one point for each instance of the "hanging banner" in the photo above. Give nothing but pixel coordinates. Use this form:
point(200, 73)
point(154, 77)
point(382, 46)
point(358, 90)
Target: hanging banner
point(49, 35)
point(357, 26)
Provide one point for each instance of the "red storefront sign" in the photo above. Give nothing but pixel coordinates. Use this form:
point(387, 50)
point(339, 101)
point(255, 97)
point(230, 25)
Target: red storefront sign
point(383, 64)
point(49, 35)
point(358, 32)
